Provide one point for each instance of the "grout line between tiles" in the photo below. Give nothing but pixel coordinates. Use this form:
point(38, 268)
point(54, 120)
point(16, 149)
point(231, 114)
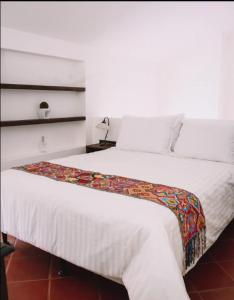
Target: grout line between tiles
point(10, 258)
point(201, 296)
point(213, 290)
point(49, 289)
point(9, 262)
point(99, 296)
point(25, 281)
point(218, 263)
point(99, 293)
point(215, 261)
point(60, 278)
point(50, 267)
point(49, 278)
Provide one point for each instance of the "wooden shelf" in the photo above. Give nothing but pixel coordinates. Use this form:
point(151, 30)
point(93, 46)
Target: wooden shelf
point(40, 121)
point(41, 87)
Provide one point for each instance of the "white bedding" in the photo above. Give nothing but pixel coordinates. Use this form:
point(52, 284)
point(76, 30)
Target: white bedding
point(132, 241)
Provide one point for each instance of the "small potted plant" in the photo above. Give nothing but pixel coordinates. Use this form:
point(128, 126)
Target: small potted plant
point(43, 110)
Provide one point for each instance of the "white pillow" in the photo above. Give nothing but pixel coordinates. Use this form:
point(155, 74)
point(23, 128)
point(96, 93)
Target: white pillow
point(206, 139)
point(148, 134)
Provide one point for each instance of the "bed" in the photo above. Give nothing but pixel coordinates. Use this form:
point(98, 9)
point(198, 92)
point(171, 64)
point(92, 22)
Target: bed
point(128, 240)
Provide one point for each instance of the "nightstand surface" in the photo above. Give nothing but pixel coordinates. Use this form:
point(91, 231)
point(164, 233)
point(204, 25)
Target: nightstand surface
point(100, 146)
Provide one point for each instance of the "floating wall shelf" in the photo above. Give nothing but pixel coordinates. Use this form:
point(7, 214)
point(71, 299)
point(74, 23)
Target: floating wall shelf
point(41, 87)
point(40, 121)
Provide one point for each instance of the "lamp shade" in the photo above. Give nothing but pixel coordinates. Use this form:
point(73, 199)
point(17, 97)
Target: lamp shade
point(102, 126)
point(105, 125)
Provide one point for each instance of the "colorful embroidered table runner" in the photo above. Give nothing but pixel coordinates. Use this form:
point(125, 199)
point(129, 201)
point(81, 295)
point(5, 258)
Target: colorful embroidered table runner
point(185, 205)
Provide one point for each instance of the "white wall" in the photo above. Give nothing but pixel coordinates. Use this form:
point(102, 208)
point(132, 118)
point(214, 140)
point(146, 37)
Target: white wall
point(121, 85)
point(165, 59)
point(23, 142)
point(191, 83)
point(226, 107)
point(178, 60)
point(115, 84)
point(189, 78)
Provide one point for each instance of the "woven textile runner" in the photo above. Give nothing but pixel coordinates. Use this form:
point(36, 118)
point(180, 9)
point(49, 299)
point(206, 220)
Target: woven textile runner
point(185, 205)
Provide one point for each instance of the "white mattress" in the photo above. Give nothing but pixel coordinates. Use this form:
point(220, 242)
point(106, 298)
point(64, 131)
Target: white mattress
point(132, 241)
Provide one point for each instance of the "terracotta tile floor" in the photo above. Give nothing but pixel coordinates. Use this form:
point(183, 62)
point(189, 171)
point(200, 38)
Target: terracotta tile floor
point(32, 274)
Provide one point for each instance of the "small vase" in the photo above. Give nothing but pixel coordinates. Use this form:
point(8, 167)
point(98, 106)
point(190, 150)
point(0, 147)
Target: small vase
point(43, 113)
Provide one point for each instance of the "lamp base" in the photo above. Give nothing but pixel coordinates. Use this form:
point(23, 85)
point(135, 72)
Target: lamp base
point(106, 142)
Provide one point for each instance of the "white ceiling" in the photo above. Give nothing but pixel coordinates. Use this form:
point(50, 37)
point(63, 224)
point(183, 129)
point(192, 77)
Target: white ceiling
point(134, 24)
point(73, 21)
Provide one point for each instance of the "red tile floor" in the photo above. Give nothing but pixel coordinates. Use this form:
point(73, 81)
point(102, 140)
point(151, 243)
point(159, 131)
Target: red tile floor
point(32, 274)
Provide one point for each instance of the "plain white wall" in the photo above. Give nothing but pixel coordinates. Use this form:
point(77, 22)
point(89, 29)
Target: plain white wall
point(165, 59)
point(226, 104)
point(191, 83)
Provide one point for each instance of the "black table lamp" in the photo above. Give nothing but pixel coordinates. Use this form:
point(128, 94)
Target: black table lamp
point(105, 125)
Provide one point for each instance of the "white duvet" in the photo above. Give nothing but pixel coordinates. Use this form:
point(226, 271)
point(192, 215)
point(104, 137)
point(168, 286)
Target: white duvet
point(133, 241)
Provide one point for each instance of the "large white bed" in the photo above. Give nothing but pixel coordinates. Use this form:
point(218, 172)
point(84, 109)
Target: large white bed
point(133, 241)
